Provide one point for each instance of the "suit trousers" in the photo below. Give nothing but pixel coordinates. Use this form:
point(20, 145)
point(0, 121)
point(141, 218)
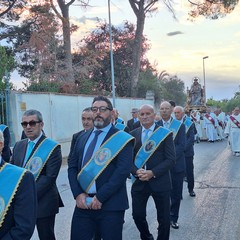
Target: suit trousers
point(190, 173)
point(162, 204)
point(176, 194)
point(45, 228)
point(86, 222)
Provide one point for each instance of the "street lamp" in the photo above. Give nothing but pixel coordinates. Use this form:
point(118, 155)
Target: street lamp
point(111, 54)
point(204, 80)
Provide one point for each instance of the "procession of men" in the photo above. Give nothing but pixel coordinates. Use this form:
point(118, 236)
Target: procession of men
point(157, 154)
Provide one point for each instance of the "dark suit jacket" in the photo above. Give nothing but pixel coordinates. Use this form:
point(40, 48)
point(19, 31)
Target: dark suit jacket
point(6, 152)
point(111, 184)
point(20, 219)
point(131, 125)
point(189, 148)
point(48, 196)
point(179, 142)
point(74, 139)
point(160, 163)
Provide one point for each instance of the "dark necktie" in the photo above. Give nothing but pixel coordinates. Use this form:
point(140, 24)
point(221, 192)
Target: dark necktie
point(91, 148)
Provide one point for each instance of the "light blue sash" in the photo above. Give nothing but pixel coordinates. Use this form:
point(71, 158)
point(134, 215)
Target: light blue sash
point(11, 175)
point(120, 120)
point(40, 157)
point(188, 123)
point(102, 157)
point(174, 127)
point(120, 126)
point(149, 147)
point(2, 127)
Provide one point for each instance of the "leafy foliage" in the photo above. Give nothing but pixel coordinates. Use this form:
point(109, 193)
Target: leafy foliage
point(225, 104)
point(173, 88)
point(212, 9)
point(94, 56)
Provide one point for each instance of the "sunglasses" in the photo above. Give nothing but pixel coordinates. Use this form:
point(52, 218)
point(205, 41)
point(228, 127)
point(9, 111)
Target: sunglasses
point(101, 109)
point(31, 123)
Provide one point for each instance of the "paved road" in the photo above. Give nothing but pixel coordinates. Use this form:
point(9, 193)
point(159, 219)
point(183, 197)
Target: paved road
point(212, 215)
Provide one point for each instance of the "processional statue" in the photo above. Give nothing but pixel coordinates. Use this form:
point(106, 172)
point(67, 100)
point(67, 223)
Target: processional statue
point(196, 96)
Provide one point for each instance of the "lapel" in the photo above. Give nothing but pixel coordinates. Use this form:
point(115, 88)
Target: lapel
point(21, 154)
point(138, 137)
point(80, 146)
point(160, 123)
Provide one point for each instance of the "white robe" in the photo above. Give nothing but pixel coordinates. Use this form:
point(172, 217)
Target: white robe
point(210, 128)
point(234, 133)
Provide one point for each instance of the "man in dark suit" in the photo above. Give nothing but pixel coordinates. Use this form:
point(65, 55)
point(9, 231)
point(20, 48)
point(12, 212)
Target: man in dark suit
point(87, 123)
point(189, 148)
point(178, 170)
point(17, 215)
point(133, 122)
point(98, 178)
point(152, 176)
point(44, 160)
point(6, 152)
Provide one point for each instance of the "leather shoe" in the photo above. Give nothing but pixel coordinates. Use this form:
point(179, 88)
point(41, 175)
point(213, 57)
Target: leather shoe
point(192, 194)
point(174, 225)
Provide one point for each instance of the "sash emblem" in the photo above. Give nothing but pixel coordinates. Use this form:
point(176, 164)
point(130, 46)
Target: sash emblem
point(102, 156)
point(149, 146)
point(35, 164)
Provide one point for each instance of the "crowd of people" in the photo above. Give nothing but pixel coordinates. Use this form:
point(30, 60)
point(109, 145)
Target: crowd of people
point(155, 150)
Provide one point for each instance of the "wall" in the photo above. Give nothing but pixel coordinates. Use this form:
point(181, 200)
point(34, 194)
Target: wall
point(61, 113)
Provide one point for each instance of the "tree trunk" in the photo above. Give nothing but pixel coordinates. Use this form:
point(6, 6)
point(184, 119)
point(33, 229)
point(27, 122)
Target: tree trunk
point(137, 54)
point(68, 74)
point(139, 11)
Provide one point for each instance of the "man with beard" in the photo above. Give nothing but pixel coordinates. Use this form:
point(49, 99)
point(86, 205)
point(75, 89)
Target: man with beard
point(97, 170)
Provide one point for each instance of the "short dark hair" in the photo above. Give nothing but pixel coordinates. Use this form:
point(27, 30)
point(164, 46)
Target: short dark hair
point(102, 98)
point(31, 112)
point(173, 104)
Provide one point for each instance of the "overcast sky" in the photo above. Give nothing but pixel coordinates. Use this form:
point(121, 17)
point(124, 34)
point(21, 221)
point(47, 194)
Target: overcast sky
point(178, 46)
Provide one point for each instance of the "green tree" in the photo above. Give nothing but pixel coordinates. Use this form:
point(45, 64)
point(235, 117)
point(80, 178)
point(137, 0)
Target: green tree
point(173, 89)
point(7, 64)
point(97, 44)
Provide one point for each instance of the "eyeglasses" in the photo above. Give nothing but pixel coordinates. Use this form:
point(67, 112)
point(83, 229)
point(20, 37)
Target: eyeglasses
point(101, 109)
point(31, 123)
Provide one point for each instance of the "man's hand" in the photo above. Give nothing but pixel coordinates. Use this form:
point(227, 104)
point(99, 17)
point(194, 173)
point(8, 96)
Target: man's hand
point(95, 204)
point(144, 175)
point(81, 201)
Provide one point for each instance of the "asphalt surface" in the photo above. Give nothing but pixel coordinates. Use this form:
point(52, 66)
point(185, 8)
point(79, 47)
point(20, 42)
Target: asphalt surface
point(212, 215)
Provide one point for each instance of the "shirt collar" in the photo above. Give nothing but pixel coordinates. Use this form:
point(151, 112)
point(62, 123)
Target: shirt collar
point(151, 128)
point(105, 129)
point(36, 139)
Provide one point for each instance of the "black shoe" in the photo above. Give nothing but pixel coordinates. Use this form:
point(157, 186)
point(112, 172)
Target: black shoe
point(192, 194)
point(174, 225)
